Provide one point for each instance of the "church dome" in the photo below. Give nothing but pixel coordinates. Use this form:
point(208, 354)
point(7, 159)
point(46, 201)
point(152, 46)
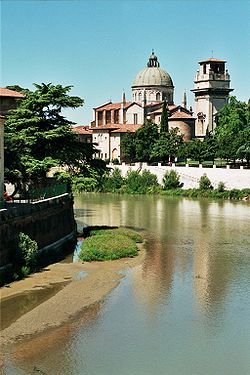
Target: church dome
point(152, 75)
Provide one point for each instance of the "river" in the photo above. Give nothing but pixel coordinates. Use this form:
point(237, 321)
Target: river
point(184, 310)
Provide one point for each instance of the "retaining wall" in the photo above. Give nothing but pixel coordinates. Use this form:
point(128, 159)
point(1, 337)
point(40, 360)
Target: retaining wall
point(49, 222)
point(189, 176)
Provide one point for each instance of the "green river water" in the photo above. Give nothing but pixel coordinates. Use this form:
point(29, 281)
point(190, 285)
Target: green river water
point(184, 310)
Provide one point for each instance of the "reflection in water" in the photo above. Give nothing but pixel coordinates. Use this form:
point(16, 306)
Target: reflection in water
point(14, 307)
point(193, 284)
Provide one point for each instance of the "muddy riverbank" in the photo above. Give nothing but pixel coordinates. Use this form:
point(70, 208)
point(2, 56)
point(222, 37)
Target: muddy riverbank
point(77, 286)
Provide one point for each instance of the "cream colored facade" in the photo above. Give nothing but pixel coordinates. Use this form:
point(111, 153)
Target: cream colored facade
point(212, 88)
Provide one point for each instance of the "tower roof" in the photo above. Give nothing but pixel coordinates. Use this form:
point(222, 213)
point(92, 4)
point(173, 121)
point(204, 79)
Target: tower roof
point(212, 59)
point(152, 75)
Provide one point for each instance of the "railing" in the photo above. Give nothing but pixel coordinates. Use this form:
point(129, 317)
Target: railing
point(47, 191)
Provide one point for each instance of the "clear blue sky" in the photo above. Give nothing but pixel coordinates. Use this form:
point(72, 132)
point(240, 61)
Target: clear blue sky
point(99, 46)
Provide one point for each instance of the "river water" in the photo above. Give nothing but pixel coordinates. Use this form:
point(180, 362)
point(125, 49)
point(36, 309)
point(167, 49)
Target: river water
point(185, 310)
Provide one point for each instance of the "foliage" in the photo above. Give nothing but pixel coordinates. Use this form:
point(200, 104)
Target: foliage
point(38, 136)
point(171, 180)
point(128, 148)
point(195, 149)
point(205, 183)
point(112, 183)
point(81, 183)
point(27, 249)
point(136, 183)
point(109, 245)
point(164, 119)
point(145, 137)
point(233, 128)
point(221, 187)
point(166, 147)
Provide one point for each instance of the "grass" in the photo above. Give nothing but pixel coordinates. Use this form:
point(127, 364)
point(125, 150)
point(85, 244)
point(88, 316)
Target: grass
point(197, 193)
point(110, 244)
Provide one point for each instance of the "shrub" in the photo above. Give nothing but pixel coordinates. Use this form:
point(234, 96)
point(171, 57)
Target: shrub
point(171, 180)
point(136, 183)
point(205, 183)
point(81, 183)
point(221, 187)
point(27, 250)
point(110, 244)
point(114, 182)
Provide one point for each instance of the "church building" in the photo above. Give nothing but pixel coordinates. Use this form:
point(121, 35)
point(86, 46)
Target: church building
point(150, 88)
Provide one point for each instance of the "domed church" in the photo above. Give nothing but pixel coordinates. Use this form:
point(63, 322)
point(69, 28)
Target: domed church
point(153, 84)
point(150, 87)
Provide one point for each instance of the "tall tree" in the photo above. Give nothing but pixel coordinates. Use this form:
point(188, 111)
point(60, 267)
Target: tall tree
point(164, 118)
point(38, 136)
point(166, 148)
point(145, 138)
point(232, 129)
point(128, 148)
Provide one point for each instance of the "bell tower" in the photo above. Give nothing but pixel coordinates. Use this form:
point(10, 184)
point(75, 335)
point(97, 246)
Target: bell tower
point(211, 89)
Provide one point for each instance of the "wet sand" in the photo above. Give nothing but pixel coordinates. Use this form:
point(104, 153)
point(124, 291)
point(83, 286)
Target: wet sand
point(75, 296)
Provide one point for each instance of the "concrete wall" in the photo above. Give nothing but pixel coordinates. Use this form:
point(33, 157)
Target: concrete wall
point(189, 176)
point(49, 222)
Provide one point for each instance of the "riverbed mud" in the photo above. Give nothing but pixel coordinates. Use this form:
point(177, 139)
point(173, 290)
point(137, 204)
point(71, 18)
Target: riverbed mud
point(76, 295)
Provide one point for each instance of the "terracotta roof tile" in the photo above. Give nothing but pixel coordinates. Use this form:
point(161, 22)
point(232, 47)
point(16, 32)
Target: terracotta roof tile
point(127, 128)
point(82, 129)
point(109, 106)
point(10, 93)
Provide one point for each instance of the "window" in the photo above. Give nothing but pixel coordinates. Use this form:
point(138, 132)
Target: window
point(158, 96)
point(135, 118)
point(139, 97)
point(106, 155)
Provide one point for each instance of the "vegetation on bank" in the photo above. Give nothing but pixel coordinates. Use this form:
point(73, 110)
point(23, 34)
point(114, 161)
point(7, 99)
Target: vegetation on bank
point(110, 244)
point(136, 182)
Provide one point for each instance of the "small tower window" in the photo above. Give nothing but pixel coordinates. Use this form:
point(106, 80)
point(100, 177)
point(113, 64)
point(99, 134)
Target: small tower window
point(135, 118)
point(158, 96)
point(204, 69)
point(139, 96)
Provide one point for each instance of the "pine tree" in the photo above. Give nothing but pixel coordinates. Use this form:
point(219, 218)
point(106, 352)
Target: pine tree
point(164, 119)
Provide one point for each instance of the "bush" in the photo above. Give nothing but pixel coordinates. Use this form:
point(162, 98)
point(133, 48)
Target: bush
point(110, 244)
point(136, 183)
point(171, 180)
point(27, 249)
point(205, 183)
point(87, 184)
point(221, 187)
point(114, 182)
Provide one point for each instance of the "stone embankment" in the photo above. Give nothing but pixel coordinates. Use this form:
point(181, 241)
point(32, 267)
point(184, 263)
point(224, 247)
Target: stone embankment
point(189, 176)
point(50, 222)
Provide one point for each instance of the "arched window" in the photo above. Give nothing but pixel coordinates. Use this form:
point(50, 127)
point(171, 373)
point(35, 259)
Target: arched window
point(139, 96)
point(158, 96)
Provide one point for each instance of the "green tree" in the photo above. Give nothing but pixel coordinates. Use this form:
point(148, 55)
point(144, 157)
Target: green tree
point(164, 119)
point(232, 129)
point(195, 149)
point(145, 138)
point(167, 146)
point(128, 148)
point(38, 136)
